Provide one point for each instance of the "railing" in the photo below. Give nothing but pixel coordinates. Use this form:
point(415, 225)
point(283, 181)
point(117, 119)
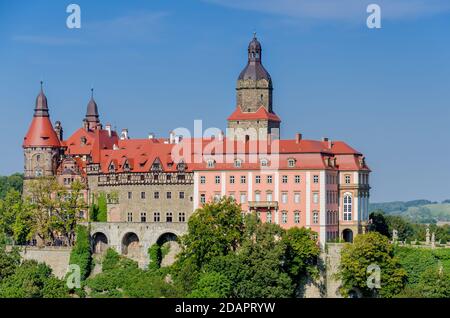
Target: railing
point(263, 204)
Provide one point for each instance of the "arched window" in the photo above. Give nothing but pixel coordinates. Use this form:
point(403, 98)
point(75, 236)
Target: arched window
point(348, 207)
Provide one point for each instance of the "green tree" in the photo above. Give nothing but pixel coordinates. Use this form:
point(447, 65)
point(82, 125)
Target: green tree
point(9, 261)
point(212, 285)
point(10, 207)
point(367, 249)
point(378, 223)
point(12, 182)
point(81, 252)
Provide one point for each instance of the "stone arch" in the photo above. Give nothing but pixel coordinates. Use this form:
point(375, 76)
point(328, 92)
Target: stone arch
point(131, 245)
point(99, 242)
point(170, 247)
point(347, 235)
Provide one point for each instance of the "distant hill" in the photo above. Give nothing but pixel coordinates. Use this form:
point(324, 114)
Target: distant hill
point(420, 211)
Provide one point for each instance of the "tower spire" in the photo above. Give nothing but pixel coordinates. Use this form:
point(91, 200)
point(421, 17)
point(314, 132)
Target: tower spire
point(92, 116)
point(41, 107)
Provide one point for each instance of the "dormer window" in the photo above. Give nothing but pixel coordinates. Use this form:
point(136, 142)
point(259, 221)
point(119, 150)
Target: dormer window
point(112, 168)
point(291, 163)
point(210, 163)
point(237, 163)
point(181, 166)
point(264, 162)
point(126, 166)
point(83, 141)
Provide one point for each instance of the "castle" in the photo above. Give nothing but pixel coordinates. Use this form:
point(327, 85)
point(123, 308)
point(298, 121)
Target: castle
point(157, 183)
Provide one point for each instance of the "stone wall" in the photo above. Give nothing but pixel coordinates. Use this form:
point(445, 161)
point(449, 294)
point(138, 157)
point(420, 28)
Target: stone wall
point(55, 257)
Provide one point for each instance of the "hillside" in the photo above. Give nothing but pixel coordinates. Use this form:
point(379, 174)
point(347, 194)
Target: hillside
point(420, 211)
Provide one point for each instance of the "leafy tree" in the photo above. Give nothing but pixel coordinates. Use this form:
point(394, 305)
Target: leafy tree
point(10, 207)
point(379, 223)
point(12, 182)
point(9, 261)
point(404, 228)
point(81, 252)
point(212, 285)
point(367, 249)
point(213, 230)
point(435, 283)
point(155, 254)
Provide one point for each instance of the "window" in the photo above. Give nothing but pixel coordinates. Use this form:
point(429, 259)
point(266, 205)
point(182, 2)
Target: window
point(284, 179)
point(257, 196)
point(168, 177)
point(296, 217)
point(156, 195)
point(130, 217)
point(181, 217)
point(291, 163)
point(264, 163)
point(243, 179)
point(231, 179)
point(316, 197)
point(143, 217)
point(258, 179)
point(202, 179)
point(169, 217)
point(297, 179)
point(284, 217)
point(238, 163)
point(156, 217)
point(297, 197)
point(347, 179)
point(203, 198)
point(217, 179)
point(243, 198)
point(315, 217)
point(142, 195)
point(130, 195)
point(181, 195)
point(169, 195)
point(232, 196)
point(316, 179)
point(210, 163)
point(217, 197)
point(347, 207)
point(284, 197)
point(269, 179)
point(269, 196)
point(269, 217)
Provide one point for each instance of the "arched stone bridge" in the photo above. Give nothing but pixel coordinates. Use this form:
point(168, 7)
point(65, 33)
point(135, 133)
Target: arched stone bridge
point(133, 239)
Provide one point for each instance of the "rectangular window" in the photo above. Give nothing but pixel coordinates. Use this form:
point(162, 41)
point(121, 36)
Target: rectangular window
point(217, 197)
point(156, 217)
point(156, 195)
point(243, 198)
point(169, 217)
point(202, 179)
point(269, 217)
point(257, 196)
point(258, 179)
point(130, 217)
point(217, 179)
point(269, 179)
point(243, 179)
point(130, 195)
point(202, 198)
point(231, 179)
point(297, 179)
point(284, 217)
point(169, 195)
point(142, 195)
point(284, 197)
point(296, 217)
point(316, 179)
point(315, 217)
point(316, 197)
point(181, 217)
point(269, 196)
point(231, 195)
point(181, 195)
point(297, 197)
point(347, 179)
point(143, 217)
point(284, 179)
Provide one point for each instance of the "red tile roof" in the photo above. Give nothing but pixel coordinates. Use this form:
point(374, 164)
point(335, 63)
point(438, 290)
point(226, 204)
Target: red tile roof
point(260, 114)
point(41, 134)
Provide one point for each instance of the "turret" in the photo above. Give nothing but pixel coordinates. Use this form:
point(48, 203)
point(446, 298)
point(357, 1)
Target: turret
point(92, 119)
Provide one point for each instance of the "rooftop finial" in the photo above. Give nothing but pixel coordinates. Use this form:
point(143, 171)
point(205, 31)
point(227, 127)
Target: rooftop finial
point(254, 35)
point(42, 85)
point(92, 92)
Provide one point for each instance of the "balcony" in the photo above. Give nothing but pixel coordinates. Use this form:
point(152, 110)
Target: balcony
point(263, 204)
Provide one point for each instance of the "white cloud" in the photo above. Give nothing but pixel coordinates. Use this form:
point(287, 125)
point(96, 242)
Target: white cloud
point(339, 9)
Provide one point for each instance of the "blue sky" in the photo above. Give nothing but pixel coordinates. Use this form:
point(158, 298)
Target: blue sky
point(157, 65)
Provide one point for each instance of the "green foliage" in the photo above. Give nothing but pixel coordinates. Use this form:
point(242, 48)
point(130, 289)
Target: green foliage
point(13, 182)
point(15, 217)
point(367, 249)
point(99, 208)
point(212, 285)
point(32, 280)
point(81, 252)
point(379, 223)
point(9, 261)
point(415, 261)
point(155, 255)
point(112, 260)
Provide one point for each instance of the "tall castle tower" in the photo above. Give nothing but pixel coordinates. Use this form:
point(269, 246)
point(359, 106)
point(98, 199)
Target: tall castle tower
point(41, 144)
point(254, 117)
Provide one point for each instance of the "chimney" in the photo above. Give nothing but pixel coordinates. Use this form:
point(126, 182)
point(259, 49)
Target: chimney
point(124, 134)
point(108, 129)
point(171, 137)
point(151, 136)
point(59, 130)
point(298, 137)
point(324, 139)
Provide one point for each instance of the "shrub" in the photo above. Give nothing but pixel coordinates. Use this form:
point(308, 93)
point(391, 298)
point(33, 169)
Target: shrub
point(81, 252)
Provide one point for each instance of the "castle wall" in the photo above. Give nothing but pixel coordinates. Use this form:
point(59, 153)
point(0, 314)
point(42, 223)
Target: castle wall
point(57, 258)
